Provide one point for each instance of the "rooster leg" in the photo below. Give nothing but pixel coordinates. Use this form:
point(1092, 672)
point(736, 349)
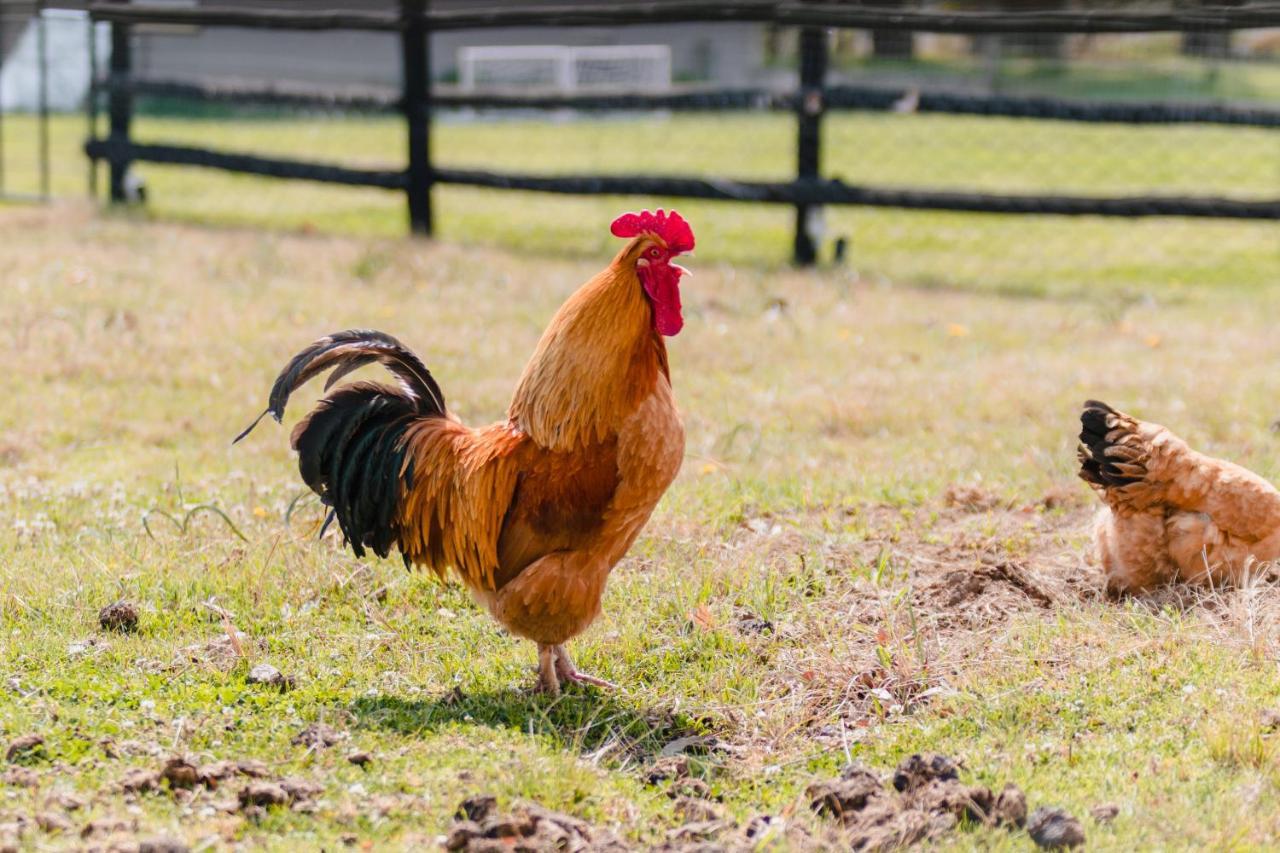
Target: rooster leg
point(548, 677)
point(566, 671)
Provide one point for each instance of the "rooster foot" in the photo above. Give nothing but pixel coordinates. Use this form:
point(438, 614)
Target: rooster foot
point(556, 668)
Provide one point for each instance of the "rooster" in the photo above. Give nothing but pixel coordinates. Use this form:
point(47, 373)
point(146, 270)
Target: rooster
point(1171, 512)
point(533, 512)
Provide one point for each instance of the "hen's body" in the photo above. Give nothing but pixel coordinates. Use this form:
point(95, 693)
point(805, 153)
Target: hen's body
point(531, 513)
point(1171, 513)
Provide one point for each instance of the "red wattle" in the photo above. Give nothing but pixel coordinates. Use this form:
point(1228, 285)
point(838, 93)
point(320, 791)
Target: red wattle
point(663, 286)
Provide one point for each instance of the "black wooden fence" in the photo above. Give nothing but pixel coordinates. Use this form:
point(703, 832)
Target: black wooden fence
point(807, 192)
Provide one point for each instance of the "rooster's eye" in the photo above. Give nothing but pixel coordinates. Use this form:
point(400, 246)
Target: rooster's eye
point(655, 252)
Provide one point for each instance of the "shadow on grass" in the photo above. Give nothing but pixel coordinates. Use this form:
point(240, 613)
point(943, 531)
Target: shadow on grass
point(582, 719)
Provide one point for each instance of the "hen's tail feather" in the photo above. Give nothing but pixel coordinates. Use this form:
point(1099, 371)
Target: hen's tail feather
point(1110, 451)
point(348, 351)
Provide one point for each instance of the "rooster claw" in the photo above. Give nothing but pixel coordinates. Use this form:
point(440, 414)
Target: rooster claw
point(555, 668)
point(583, 678)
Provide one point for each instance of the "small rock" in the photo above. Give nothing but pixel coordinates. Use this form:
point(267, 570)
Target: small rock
point(1053, 829)
point(67, 801)
point(1104, 813)
point(759, 825)
point(690, 835)
point(261, 793)
point(210, 775)
point(692, 810)
point(23, 747)
point(461, 834)
point(265, 673)
point(751, 624)
point(1011, 807)
point(53, 822)
point(669, 767)
point(105, 826)
point(300, 789)
point(359, 758)
point(140, 780)
point(502, 826)
point(20, 777)
point(845, 797)
point(317, 736)
point(478, 808)
point(12, 831)
point(180, 773)
point(918, 770)
point(689, 786)
point(121, 616)
point(253, 768)
point(969, 498)
point(163, 844)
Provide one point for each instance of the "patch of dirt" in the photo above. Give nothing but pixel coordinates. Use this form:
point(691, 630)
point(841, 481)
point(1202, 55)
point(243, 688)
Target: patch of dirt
point(183, 779)
point(974, 568)
point(479, 825)
point(527, 828)
point(927, 801)
point(923, 589)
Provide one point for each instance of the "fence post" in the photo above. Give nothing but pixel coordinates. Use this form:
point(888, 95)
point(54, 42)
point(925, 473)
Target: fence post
point(119, 105)
point(810, 104)
point(91, 105)
point(415, 57)
point(42, 60)
point(1, 105)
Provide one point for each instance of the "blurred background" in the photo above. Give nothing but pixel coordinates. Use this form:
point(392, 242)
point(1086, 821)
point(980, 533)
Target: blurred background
point(1192, 113)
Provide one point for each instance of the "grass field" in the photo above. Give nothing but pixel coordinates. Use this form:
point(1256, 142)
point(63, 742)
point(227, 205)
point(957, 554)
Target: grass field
point(875, 547)
point(870, 469)
point(1060, 256)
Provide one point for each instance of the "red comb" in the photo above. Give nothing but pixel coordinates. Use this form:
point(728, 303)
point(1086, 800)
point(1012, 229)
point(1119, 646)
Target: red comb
point(671, 227)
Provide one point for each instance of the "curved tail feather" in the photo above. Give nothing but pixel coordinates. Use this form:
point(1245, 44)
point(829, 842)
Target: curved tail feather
point(345, 352)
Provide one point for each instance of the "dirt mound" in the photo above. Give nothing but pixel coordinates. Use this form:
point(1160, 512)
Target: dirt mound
point(976, 562)
point(527, 828)
point(927, 801)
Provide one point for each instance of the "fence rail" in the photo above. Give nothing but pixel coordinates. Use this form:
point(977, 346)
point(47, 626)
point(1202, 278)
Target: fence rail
point(695, 99)
point(797, 14)
point(813, 99)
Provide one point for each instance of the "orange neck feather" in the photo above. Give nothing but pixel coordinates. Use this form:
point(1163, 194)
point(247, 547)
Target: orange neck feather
point(597, 360)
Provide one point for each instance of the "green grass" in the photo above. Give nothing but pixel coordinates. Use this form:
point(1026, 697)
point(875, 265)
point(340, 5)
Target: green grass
point(1062, 256)
point(1153, 71)
point(827, 417)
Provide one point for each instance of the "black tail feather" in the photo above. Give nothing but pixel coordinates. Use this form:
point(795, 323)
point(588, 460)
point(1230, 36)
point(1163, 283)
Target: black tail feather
point(345, 352)
point(351, 452)
point(1100, 454)
point(351, 448)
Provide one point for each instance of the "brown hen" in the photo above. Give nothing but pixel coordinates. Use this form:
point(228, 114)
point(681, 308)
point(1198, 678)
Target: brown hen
point(1171, 513)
